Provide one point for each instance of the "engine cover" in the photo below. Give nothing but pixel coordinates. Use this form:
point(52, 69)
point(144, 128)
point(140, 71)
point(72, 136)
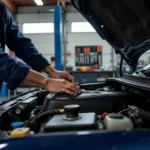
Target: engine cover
point(90, 101)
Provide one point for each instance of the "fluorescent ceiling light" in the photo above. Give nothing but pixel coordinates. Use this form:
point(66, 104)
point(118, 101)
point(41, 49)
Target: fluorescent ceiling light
point(39, 2)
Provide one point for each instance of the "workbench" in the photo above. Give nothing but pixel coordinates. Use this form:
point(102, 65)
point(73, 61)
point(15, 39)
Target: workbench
point(92, 76)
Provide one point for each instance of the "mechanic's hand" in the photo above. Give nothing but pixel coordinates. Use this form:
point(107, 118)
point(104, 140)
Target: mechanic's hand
point(61, 85)
point(63, 75)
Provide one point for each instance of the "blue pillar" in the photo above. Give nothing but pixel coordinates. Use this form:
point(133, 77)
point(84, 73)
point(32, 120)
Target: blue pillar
point(58, 36)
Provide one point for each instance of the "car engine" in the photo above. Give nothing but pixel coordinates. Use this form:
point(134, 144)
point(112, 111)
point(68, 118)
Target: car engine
point(113, 105)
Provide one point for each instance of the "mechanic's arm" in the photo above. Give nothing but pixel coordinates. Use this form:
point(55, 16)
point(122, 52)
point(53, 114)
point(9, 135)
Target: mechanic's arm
point(15, 73)
point(35, 79)
point(22, 46)
point(25, 50)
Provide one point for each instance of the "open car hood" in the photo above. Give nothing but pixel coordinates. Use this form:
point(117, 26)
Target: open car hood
point(124, 24)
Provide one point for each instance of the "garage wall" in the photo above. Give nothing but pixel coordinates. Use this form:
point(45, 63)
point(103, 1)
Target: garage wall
point(45, 42)
point(83, 39)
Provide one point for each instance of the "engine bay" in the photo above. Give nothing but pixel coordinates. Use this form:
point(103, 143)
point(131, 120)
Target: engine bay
point(108, 106)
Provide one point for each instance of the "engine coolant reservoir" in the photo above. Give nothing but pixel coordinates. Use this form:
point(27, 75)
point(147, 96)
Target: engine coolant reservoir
point(117, 122)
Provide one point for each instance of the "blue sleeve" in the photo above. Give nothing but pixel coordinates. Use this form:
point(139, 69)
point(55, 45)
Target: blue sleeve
point(11, 71)
point(23, 47)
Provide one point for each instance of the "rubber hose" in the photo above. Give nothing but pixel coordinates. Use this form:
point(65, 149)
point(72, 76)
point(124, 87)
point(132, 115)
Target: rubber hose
point(35, 124)
point(47, 114)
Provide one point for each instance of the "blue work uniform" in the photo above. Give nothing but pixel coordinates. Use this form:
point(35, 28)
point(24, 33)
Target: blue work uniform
point(11, 71)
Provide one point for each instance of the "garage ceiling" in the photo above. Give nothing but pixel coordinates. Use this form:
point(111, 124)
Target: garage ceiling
point(13, 4)
point(32, 3)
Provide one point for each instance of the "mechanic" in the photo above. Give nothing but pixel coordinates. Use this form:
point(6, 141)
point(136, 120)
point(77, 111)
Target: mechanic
point(16, 73)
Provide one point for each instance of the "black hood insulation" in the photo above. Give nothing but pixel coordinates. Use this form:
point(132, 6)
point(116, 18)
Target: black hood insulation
point(124, 24)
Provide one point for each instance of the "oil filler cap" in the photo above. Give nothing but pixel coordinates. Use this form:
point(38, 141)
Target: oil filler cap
point(72, 112)
point(116, 116)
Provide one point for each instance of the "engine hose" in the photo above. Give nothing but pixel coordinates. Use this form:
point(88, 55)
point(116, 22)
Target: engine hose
point(47, 114)
point(35, 112)
point(37, 121)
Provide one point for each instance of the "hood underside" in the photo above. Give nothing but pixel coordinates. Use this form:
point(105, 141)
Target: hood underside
point(124, 24)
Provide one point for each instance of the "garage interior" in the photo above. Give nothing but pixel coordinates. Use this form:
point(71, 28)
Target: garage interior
point(102, 47)
point(36, 20)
